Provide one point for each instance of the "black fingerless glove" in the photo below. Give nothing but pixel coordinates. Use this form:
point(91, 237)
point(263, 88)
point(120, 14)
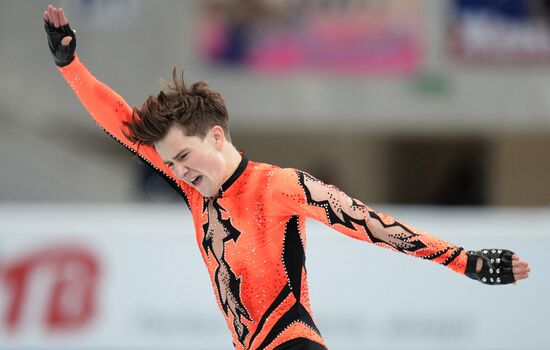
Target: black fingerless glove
point(496, 268)
point(63, 55)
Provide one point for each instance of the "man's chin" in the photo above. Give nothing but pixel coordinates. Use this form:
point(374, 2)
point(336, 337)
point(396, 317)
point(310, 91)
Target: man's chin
point(206, 193)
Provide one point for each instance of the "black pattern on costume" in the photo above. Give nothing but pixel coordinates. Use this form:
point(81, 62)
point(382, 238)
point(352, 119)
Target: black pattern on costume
point(294, 260)
point(348, 212)
point(217, 232)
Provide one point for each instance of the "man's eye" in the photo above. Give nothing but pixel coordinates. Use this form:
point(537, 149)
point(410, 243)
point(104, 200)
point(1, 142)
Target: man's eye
point(183, 156)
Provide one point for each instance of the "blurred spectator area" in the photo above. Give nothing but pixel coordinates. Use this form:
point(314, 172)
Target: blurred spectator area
point(455, 119)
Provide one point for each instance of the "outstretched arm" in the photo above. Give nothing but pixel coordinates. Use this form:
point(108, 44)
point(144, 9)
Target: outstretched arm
point(109, 110)
point(298, 193)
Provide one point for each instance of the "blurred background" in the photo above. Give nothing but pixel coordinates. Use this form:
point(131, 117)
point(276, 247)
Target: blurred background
point(437, 112)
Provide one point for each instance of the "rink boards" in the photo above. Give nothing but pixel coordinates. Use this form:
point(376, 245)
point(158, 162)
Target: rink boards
point(111, 276)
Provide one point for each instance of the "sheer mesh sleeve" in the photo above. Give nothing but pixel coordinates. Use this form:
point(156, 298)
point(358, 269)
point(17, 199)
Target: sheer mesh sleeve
point(298, 193)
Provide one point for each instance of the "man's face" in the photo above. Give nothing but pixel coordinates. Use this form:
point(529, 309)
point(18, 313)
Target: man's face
point(197, 162)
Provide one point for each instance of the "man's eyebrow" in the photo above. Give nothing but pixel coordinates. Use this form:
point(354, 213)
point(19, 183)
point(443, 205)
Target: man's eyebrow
point(177, 155)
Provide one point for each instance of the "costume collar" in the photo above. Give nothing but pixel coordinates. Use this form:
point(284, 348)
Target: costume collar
point(236, 174)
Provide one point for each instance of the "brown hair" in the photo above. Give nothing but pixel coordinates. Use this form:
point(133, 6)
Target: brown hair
point(196, 108)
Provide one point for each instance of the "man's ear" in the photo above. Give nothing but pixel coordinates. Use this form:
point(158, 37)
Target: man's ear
point(218, 136)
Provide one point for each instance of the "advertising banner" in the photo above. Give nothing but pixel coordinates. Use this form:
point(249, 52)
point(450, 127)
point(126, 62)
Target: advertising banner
point(512, 31)
point(117, 277)
point(357, 37)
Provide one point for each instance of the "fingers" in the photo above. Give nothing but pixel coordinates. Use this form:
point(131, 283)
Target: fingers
point(520, 268)
point(56, 16)
point(63, 21)
point(521, 277)
point(56, 22)
point(519, 263)
point(52, 16)
point(49, 14)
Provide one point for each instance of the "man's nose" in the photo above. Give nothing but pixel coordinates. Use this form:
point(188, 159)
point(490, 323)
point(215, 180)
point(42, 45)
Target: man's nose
point(180, 170)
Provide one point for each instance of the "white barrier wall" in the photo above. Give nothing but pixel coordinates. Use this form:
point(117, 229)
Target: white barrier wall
point(131, 277)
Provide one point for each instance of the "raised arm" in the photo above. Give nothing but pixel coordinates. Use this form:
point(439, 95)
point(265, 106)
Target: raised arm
point(298, 193)
point(109, 110)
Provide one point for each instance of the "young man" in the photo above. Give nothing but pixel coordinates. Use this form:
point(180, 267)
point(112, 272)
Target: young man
point(250, 217)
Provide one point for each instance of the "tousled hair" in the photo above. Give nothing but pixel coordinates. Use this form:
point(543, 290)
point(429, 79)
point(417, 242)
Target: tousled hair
point(196, 108)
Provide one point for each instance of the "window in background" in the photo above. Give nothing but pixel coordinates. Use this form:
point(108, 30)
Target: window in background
point(437, 171)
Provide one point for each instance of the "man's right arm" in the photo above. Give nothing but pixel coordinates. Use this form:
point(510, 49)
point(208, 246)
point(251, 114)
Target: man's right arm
point(108, 109)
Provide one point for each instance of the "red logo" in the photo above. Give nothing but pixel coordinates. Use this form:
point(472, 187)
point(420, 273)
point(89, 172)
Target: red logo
point(67, 278)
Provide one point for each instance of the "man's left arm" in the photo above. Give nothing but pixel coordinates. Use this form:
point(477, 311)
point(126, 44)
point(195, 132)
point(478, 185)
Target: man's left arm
point(298, 193)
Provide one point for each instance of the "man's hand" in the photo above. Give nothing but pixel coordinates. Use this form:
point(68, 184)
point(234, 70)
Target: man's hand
point(61, 37)
point(496, 266)
point(520, 268)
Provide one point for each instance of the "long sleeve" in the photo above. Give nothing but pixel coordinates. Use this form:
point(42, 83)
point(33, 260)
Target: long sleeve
point(298, 193)
point(109, 111)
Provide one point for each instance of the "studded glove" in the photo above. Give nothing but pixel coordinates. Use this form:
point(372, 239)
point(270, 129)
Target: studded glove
point(496, 268)
point(63, 55)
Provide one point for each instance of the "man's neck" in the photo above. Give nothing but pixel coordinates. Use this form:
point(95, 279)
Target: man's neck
point(233, 159)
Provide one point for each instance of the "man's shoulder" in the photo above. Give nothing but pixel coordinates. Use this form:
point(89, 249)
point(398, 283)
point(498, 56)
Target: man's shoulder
point(274, 178)
point(271, 170)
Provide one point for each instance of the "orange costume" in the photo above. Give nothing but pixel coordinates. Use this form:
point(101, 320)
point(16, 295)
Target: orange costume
point(252, 234)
